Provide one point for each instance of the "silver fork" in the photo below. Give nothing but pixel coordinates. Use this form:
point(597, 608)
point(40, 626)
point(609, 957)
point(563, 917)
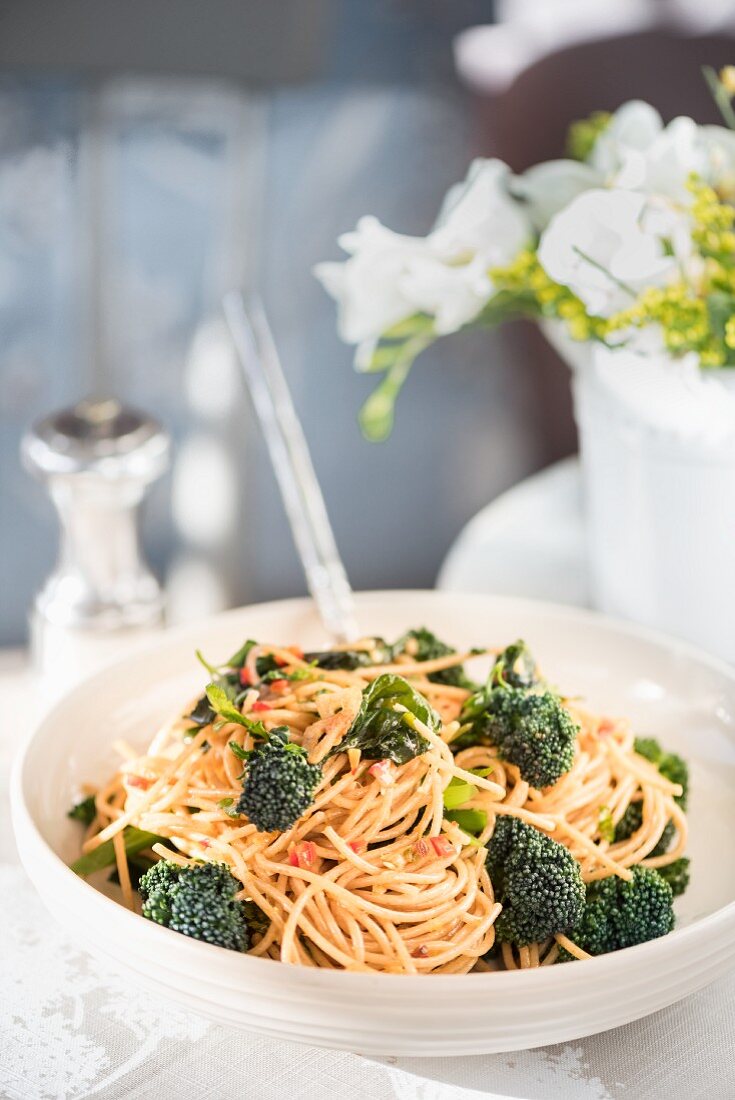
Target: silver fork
point(326, 576)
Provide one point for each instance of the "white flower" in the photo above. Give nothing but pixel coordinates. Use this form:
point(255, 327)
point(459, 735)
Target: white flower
point(670, 221)
point(602, 249)
point(390, 277)
point(677, 152)
point(369, 286)
point(636, 152)
point(720, 145)
point(548, 188)
point(624, 142)
point(453, 295)
point(480, 218)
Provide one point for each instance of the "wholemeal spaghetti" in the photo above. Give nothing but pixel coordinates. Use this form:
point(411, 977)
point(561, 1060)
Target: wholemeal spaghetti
point(375, 874)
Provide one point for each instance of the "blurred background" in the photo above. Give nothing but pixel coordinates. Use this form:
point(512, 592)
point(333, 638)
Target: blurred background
point(153, 154)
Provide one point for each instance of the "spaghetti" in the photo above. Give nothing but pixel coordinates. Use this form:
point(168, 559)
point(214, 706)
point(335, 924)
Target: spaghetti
point(373, 876)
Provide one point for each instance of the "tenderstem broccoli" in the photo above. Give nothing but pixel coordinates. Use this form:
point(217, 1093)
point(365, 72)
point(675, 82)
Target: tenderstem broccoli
point(279, 783)
point(527, 724)
point(197, 901)
point(672, 767)
point(533, 731)
point(619, 914)
point(537, 881)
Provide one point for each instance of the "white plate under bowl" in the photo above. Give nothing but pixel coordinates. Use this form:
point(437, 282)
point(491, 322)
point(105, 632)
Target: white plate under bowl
point(668, 689)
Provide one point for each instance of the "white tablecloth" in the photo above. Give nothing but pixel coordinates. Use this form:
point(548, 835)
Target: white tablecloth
point(71, 1026)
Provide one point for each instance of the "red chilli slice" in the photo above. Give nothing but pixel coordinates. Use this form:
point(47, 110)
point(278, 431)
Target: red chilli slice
point(441, 846)
point(384, 772)
point(245, 677)
point(303, 855)
point(260, 705)
point(139, 781)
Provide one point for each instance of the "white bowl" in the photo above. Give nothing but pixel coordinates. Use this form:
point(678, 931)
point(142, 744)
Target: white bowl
point(668, 689)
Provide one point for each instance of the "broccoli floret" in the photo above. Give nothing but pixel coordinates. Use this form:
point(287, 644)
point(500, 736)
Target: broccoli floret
point(620, 914)
point(279, 783)
point(515, 667)
point(531, 730)
point(197, 901)
point(677, 875)
point(528, 725)
point(537, 881)
point(673, 768)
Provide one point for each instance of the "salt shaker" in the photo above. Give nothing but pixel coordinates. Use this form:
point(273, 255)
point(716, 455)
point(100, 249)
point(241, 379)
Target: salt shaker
point(97, 460)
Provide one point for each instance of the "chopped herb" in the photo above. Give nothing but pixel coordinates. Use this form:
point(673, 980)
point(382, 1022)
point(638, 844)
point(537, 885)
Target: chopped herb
point(222, 705)
point(238, 659)
point(238, 750)
point(203, 713)
point(606, 825)
point(211, 669)
point(235, 662)
point(457, 793)
point(471, 822)
point(228, 805)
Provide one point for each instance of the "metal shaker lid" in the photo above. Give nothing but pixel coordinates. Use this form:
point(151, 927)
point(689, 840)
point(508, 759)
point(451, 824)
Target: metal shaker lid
point(98, 436)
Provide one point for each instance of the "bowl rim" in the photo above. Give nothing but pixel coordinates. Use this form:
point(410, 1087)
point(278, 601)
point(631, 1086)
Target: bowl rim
point(540, 978)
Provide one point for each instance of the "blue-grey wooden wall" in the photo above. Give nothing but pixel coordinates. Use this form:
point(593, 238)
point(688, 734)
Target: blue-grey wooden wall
point(127, 207)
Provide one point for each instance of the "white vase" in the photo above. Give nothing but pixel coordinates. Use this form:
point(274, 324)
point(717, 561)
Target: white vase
point(657, 444)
